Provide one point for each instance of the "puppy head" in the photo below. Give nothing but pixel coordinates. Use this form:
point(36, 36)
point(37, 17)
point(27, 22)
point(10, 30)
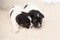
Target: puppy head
point(36, 17)
point(23, 19)
point(36, 13)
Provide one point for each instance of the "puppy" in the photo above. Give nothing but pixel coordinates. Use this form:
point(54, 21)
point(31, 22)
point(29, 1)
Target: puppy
point(37, 17)
point(18, 17)
point(24, 19)
point(35, 14)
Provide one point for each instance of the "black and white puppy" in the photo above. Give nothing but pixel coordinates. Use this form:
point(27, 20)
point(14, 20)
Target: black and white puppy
point(36, 18)
point(27, 17)
point(19, 17)
point(35, 14)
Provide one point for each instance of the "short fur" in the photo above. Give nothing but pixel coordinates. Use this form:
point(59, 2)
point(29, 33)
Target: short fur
point(36, 18)
point(19, 17)
point(35, 14)
point(23, 19)
point(26, 17)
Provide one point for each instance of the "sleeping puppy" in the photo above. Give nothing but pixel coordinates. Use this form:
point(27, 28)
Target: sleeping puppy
point(35, 14)
point(24, 19)
point(18, 17)
point(36, 18)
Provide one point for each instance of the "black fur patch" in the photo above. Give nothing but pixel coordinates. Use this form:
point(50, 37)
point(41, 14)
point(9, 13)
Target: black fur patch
point(23, 19)
point(35, 19)
point(34, 13)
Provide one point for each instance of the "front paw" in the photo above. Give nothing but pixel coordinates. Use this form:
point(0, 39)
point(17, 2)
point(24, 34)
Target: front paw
point(16, 30)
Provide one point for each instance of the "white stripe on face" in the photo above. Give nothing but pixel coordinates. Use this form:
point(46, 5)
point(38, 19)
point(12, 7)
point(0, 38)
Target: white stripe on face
point(37, 15)
point(30, 18)
point(31, 24)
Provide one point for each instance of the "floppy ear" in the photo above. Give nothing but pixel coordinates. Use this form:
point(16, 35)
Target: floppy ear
point(36, 12)
point(41, 15)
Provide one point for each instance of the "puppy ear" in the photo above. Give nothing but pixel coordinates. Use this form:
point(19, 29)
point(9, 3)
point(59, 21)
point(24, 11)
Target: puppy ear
point(36, 12)
point(41, 15)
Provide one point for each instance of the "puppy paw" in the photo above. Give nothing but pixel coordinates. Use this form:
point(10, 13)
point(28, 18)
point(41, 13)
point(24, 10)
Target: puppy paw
point(16, 30)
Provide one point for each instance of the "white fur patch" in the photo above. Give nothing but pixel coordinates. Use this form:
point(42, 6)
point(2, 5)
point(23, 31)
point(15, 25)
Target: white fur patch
point(38, 24)
point(30, 18)
point(31, 24)
point(17, 10)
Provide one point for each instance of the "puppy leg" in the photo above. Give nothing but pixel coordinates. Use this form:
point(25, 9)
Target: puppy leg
point(15, 25)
